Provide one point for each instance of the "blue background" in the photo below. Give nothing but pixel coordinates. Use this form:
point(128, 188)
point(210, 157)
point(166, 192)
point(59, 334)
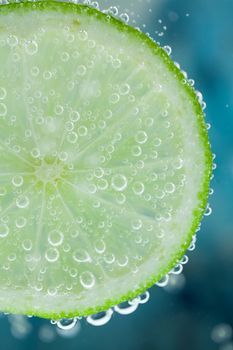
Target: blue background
point(183, 316)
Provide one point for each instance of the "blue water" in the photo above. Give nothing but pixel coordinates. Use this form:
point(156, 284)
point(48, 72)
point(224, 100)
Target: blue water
point(200, 33)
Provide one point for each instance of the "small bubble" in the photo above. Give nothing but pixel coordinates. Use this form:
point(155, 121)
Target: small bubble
point(208, 210)
point(121, 198)
point(82, 35)
point(35, 71)
point(100, 246)
point(47, 75)
point(67, 323)
point(3, 110)
point(119, 182)
point(136, 224)
point(69, 126)
point(81, 256)
point(27, 244)
point(2, 191)
point(136, 151)
point(167, 49)
point(81, 70)
point(55, 238)
point(102, 184)
point(72, 137)
point(144, 297)
point(101, 318)
point(17, 180)
point(116, 63)
point(124, 17)
point(138, 188)
point(169, 187)
point(74, 116)
point(4, 230)
point(35, 152)
point(114, 98)
point(20, 222)
point(126, 308)
point(12, 40)
point(221, 332)
point(163, 281)
point(113, 10)
point(22, 201)
point(31, 47)
point(51, 255)
point(65, 56)
point(82, 130)
point(59, 109)
point(87, 279)
point(3, 93)
point(124, 89)
point(141, 137)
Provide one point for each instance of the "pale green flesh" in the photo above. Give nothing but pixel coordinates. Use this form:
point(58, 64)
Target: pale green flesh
point(109, 204)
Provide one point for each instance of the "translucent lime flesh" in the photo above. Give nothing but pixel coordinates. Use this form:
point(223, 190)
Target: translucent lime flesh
point(104, 161)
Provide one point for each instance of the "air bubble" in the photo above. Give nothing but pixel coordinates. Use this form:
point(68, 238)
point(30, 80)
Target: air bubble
point(136, 151)
point(87, 279)
point(81, 256)
point(20, 222)
point(119, 182)
point(163, 281)
point(221, 333)
point(136, 224)
point(55, 238)
point(113, 10)
point(2, 191)
point(74, 116)
point(101, 318)
point(22, 201)
point(72, 137)
point(31, 47)
point(143, 298)
point(167, 49)
point(35, 152)
point(51, 255)
point(17, 180)
point(126, 308)
point(82, 131)
point(67, 323)
point(59, 110)
point(27, 244)
point(177, 269)
point(3, 110)
point(65, 56)
point(12, 40)
point(102, 184)
point(114, 98)
point(124, 17)
point(138, 188)
point(141, 137)
point(4, 230)
point(208, 210)
point(124, 89)
point(169, 187)
point(100, 246)
point(81, 70)
point(83, 36)
point(3, 93)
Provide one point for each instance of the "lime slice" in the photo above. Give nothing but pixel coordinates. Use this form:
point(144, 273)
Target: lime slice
point(104, 157)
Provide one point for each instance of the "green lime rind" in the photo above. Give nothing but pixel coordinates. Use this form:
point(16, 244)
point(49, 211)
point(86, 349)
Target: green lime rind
point(203, 193)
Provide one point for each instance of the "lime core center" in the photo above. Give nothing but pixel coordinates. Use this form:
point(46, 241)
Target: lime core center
point(48, 171)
